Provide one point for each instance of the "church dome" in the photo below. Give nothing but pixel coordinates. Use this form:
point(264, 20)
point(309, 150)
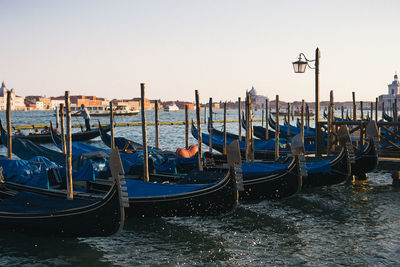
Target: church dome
point(253, 91)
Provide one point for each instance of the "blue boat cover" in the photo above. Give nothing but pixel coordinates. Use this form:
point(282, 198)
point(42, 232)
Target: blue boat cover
point(258, 144)
point(251, 169)
point(137, 188)
point(29, 202)
point(134, 161)
point(33, 172)
point(322, 166)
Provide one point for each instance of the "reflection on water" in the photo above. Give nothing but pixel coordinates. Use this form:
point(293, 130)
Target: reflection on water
point(349, 224)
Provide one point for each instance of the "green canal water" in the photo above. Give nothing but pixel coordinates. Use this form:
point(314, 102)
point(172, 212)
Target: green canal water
point(347, 224)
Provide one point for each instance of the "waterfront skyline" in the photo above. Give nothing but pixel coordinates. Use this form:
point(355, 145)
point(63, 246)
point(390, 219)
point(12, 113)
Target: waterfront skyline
point(222, 48)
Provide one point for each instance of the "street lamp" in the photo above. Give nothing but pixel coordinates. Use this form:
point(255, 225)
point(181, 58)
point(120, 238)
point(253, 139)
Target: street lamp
point(299, 66)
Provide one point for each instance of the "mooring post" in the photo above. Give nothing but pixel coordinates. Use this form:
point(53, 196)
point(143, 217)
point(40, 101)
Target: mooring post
point(302, 119)
point(318, 135)
point(112, 125)
point(376, 109)
point(224, 150)
point(210, 124)
point(395, 117)
point(354, 107)
point(372, 111)
point(247, 139)
point(277, 127)
point(240, 121)
point(383, 108)
point(57, 118)
point(342, 110)
point(288, 118)
point(199, 129)
point(362, 110)
point(205, 114)
point(144, 134)
point(251, 136)
point(156, 125)
point(262, 115)
point(266, 119)
point(329, 145)
point(70, 188)
point(186, 127)
point(308, 117)
point(9, 134)
point(64, 146)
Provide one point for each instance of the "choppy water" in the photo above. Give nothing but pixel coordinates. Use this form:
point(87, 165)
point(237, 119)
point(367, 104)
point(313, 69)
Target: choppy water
point(348, 224)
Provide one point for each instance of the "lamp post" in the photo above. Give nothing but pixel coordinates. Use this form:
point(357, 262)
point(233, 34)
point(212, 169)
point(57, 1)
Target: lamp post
point(299, 66)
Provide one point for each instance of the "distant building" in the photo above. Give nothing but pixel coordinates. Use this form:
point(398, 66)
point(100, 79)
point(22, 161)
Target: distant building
point(257, 101)
point(17, 102)
point(393, 93)
point(40, 102)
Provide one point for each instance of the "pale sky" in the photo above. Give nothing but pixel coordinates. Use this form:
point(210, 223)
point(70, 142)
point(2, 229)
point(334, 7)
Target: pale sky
point(221, 48)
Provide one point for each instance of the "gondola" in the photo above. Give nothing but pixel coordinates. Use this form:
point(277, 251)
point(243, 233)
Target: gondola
point(43, 138)
point(262, 150)
point(366, 160)
point(283, 129)
point(150, 199)
point(220, 197)
point(283, 181)
point(26, 149)
point(387, 117)
point(259, 131)
point(47, 212)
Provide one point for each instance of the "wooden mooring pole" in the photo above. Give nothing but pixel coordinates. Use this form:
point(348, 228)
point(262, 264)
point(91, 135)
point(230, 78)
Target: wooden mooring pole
point(210, 124)
point(156, 125)
point(302, 120)
point(200, 162)
point(266, 119)
point(251, 134)
point(376, 109)
point(277, 127)
point(240, 121)
point(308, 117)
point(70, 188)
point(262, 115)
point(288, 118)
point(186, 127)
point(64, 146)
point(362, 110)
point(9, 134)
point(354, 107)
point(144, 134)
point(112, 125)
point(224, 150)
point(57, 118)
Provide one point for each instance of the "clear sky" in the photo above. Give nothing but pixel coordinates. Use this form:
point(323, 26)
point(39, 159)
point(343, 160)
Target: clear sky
point(221, 48)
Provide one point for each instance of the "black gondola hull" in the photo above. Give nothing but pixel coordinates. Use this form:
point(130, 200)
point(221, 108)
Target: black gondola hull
point(215, 200)
point(104, 217)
